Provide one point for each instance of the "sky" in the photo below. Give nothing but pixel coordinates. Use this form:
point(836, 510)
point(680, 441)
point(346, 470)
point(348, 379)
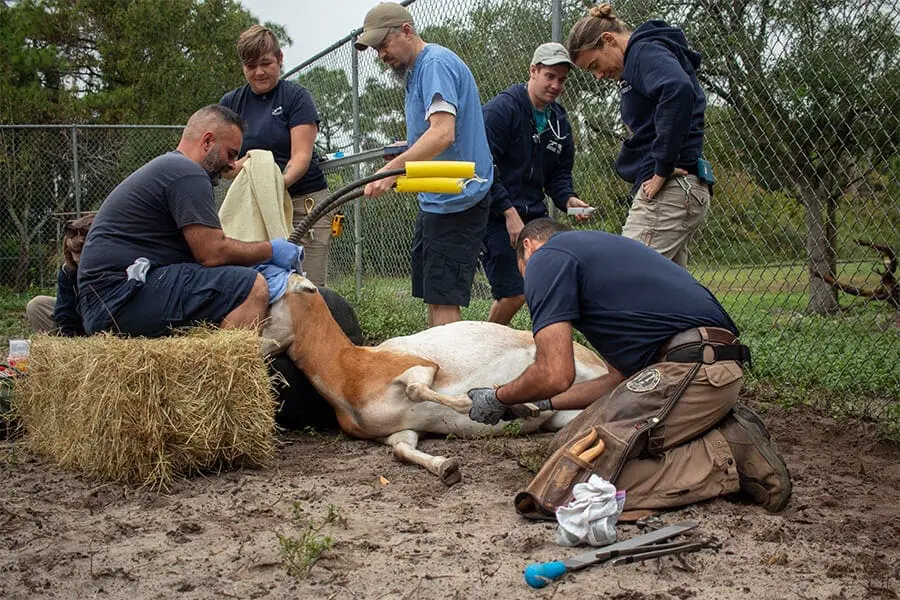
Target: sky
point(312, 24)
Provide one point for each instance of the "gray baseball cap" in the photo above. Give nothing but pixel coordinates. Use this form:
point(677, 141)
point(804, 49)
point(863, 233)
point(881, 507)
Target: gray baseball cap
point(551, 54)
point(378, 23)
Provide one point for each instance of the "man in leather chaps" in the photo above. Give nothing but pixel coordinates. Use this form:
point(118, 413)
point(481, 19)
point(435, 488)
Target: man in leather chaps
point(663, 423)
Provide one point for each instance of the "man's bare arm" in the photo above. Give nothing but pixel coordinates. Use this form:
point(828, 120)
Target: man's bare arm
point(583, 394)
point(211, 248)
point(552, 372)
point(439, 136)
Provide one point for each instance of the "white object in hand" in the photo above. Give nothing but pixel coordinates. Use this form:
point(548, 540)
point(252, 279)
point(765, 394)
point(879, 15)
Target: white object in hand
point(580, 210)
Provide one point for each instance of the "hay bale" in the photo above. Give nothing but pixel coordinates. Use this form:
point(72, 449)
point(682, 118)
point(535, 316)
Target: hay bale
point(144, 411)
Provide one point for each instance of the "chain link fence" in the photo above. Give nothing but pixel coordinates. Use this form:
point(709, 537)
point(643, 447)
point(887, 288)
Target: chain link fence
point(802, 129)
point(52, 173)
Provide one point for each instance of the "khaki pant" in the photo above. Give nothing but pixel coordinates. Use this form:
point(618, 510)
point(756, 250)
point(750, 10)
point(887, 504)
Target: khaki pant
point(317, 242)
point(39, 313)
point(676, 461)
point(689, 468)
point(668, 221)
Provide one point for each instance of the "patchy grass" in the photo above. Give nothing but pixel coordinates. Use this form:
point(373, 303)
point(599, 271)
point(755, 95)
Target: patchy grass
point(301, 552)
point(779, 278)
point(12, 316)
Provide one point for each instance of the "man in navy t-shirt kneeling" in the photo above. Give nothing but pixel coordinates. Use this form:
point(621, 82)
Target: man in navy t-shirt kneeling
point(666, 412)
point(156, 257)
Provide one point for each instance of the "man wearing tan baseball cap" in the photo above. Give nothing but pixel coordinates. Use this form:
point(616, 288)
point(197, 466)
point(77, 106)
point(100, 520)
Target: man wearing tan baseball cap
point(533, 149)
point(443, 122)
point(378, 23)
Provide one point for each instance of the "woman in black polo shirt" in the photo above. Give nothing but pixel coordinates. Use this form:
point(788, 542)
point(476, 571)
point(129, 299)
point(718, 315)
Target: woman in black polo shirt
point(281, 117)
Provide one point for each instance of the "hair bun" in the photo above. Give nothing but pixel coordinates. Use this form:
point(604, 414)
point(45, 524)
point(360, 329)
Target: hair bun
point(602, 11)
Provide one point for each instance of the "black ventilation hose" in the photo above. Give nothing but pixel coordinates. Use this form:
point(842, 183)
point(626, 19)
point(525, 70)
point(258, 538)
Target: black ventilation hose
point(342, 196)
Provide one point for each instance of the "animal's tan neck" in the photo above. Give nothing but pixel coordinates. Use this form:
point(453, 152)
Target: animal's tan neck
point(319, 342)
point(347, 375)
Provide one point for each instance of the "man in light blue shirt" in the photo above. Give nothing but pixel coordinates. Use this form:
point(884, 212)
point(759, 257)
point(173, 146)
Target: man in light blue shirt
point(443, 122)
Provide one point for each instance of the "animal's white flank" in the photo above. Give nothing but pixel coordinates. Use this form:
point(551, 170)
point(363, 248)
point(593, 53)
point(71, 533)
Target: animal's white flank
point(416, 383)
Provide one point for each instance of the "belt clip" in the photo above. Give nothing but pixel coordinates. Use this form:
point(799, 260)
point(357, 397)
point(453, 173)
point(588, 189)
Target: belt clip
point(703, 347)
point(684, 183)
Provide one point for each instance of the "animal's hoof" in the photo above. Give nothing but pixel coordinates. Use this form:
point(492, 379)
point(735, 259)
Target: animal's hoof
point(450, 473)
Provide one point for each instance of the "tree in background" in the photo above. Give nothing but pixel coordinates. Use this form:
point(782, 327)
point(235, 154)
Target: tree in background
point(100, 61)
point(331, 90)
point(813, 92)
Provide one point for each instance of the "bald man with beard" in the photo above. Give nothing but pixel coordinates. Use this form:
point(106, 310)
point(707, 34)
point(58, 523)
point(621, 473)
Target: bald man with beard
point(156, 257)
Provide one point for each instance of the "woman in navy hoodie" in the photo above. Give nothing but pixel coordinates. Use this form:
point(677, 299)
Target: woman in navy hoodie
point(662, 105)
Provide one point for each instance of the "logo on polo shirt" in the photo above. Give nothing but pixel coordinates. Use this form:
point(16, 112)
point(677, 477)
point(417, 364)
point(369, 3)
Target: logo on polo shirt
point(277, 111)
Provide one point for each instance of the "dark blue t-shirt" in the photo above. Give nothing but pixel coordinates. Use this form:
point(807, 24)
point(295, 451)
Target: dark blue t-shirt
point(142, 217)
point(270, 118)
point(626, 298)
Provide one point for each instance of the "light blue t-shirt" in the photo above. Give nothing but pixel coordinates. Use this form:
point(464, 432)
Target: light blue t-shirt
point(439, 72)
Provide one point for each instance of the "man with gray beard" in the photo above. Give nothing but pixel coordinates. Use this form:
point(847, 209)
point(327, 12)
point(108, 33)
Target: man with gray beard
point(156, 257)
point(443, 122)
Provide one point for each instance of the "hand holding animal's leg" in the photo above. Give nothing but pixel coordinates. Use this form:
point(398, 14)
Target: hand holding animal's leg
point(404, 444)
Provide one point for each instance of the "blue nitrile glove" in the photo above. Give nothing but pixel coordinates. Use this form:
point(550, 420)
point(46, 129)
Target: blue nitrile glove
point(285, 254)
point(485, 406)
point(276, 280)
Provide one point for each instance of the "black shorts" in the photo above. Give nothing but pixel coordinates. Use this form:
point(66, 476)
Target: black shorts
point(445, 254)
point(498, 258)
point(181, 295)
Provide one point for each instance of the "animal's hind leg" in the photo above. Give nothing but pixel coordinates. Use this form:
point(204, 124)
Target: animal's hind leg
point(404, 444)
point(420, 392)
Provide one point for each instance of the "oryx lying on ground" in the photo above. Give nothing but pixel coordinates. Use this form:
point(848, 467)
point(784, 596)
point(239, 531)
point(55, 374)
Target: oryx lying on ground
point(417, 383)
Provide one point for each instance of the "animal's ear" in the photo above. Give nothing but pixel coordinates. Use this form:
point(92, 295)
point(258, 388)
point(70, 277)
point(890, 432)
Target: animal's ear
point(299, 284)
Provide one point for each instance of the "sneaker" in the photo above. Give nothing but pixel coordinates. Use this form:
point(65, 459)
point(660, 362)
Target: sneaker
point(763, 474)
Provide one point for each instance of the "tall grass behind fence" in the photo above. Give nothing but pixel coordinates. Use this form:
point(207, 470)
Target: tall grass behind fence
point(801, 126)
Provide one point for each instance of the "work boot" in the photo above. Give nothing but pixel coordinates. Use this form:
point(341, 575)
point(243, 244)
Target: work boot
point(763, 474)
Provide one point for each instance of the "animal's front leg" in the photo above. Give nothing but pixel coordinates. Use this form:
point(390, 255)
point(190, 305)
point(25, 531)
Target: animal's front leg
point(404, 444)
point(420, 392)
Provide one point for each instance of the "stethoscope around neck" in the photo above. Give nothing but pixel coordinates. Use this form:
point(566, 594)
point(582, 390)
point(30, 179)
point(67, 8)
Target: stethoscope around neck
point(556, 131)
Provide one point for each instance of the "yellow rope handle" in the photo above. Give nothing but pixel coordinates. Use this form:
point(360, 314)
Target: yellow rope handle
point(440, 168)
point(435, 185)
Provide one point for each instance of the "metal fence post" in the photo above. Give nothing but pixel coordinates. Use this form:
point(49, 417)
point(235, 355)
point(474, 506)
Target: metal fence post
point(76, 173)
point(357, 204)
point(556, 32)
point(555, 36)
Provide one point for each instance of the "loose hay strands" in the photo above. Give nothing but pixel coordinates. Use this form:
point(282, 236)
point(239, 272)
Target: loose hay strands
point(144, 411)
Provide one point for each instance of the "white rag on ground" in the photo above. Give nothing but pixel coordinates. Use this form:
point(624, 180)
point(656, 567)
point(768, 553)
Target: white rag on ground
point(591, 516)
point(258, 208)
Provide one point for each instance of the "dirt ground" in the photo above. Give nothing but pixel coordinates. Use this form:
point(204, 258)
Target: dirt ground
point(63, 535)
